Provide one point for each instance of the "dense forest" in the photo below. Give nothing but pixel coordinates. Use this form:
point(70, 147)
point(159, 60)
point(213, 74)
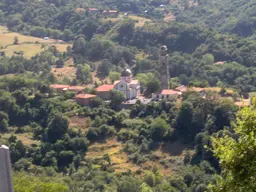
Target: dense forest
point(190, 144)
point(237, 16)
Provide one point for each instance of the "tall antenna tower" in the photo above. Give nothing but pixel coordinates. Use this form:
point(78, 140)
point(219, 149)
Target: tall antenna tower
point(164, 67)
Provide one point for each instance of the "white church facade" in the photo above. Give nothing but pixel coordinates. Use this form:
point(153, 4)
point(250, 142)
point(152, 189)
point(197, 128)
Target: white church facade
point(130, 87)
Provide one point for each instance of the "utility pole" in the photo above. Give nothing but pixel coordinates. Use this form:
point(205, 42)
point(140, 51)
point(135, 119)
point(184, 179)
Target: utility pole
point(5, 170)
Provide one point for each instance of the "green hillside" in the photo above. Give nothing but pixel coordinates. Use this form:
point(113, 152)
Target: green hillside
point(198, 139)
point(236, 16)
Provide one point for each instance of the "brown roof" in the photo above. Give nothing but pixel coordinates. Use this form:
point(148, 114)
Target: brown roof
point(76, 88)
point(84, 96)
point(59, 86)
point(104, 88)
point(170, 92)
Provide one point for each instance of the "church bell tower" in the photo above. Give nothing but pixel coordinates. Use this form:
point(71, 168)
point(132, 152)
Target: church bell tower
point(164, 68)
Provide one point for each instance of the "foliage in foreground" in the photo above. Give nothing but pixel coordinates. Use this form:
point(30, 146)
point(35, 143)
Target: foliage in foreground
point(237, 155)
point(25, 183)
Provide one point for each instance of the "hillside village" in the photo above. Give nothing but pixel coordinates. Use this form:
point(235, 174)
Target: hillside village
point(128, 96)
point(132, 92)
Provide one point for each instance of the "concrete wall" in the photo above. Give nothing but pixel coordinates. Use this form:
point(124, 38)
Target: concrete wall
point(85, 102)
point(105, 95)
point(5, 170)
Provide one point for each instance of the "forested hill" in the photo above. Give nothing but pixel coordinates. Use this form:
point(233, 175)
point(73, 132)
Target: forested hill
point(236, 16)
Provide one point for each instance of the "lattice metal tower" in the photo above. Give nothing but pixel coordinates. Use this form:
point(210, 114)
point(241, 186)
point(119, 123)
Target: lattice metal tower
point(164, 68)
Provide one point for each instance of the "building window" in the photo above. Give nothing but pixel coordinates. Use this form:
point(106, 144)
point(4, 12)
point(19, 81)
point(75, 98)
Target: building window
point(121, 86)
point(157, 96)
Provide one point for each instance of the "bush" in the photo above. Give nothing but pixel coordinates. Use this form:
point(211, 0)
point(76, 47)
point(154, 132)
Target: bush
point(159, 128)
point(125, 135)
point(22, 164)
point(150, 179)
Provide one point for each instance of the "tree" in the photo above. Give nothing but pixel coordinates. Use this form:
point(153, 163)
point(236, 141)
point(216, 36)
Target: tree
point(77, 160)
point(184, 119)
point(159, 129)
point(114, 76)
point(96, 102)
point(3, 122)
point(79, 46)
point(152, 86)
point(83, 73)
point(22, 164)
point(1, 16)
point(128, 184)
point(60, 63)
point(16, 40)
point(150, 179)
point(3, 125)
point(117, 97)
point(149, 82)
point(65, 158)
point(57, 127)
point(44, 88)
point(237, 155)
point(104, 68)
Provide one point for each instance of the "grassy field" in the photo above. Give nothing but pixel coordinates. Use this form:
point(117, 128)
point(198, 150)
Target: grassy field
point(26, 138)
point(29, 50)
point(61, 47)
point(65, 72)
point(8, 38)
point(140, 21)
point(28, 44)
point(118, 159)
point(3, 29)
point(77, 123)
point(168, 159)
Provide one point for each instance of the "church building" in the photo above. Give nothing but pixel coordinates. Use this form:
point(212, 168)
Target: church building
point(130, 87)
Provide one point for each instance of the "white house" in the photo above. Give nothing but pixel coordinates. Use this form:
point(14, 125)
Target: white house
point(130, 87)
point(166, 94)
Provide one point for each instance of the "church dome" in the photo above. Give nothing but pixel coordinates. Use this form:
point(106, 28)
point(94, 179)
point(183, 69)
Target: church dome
point(126, 73)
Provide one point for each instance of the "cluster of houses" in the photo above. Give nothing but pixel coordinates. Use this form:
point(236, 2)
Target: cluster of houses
point(128, 86)
point(107, 13)
point(177, 92)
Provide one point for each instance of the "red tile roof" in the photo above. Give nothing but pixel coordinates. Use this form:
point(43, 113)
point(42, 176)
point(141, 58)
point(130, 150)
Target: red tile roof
point(76, 88)
point(181, 88)
point(112, 11)
point(198, 89)
point(170, 92)
point(93, 9)
point(84, 96)
point(104, 88)
point(116, 82)
point(134, 82)
point(59, 86)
